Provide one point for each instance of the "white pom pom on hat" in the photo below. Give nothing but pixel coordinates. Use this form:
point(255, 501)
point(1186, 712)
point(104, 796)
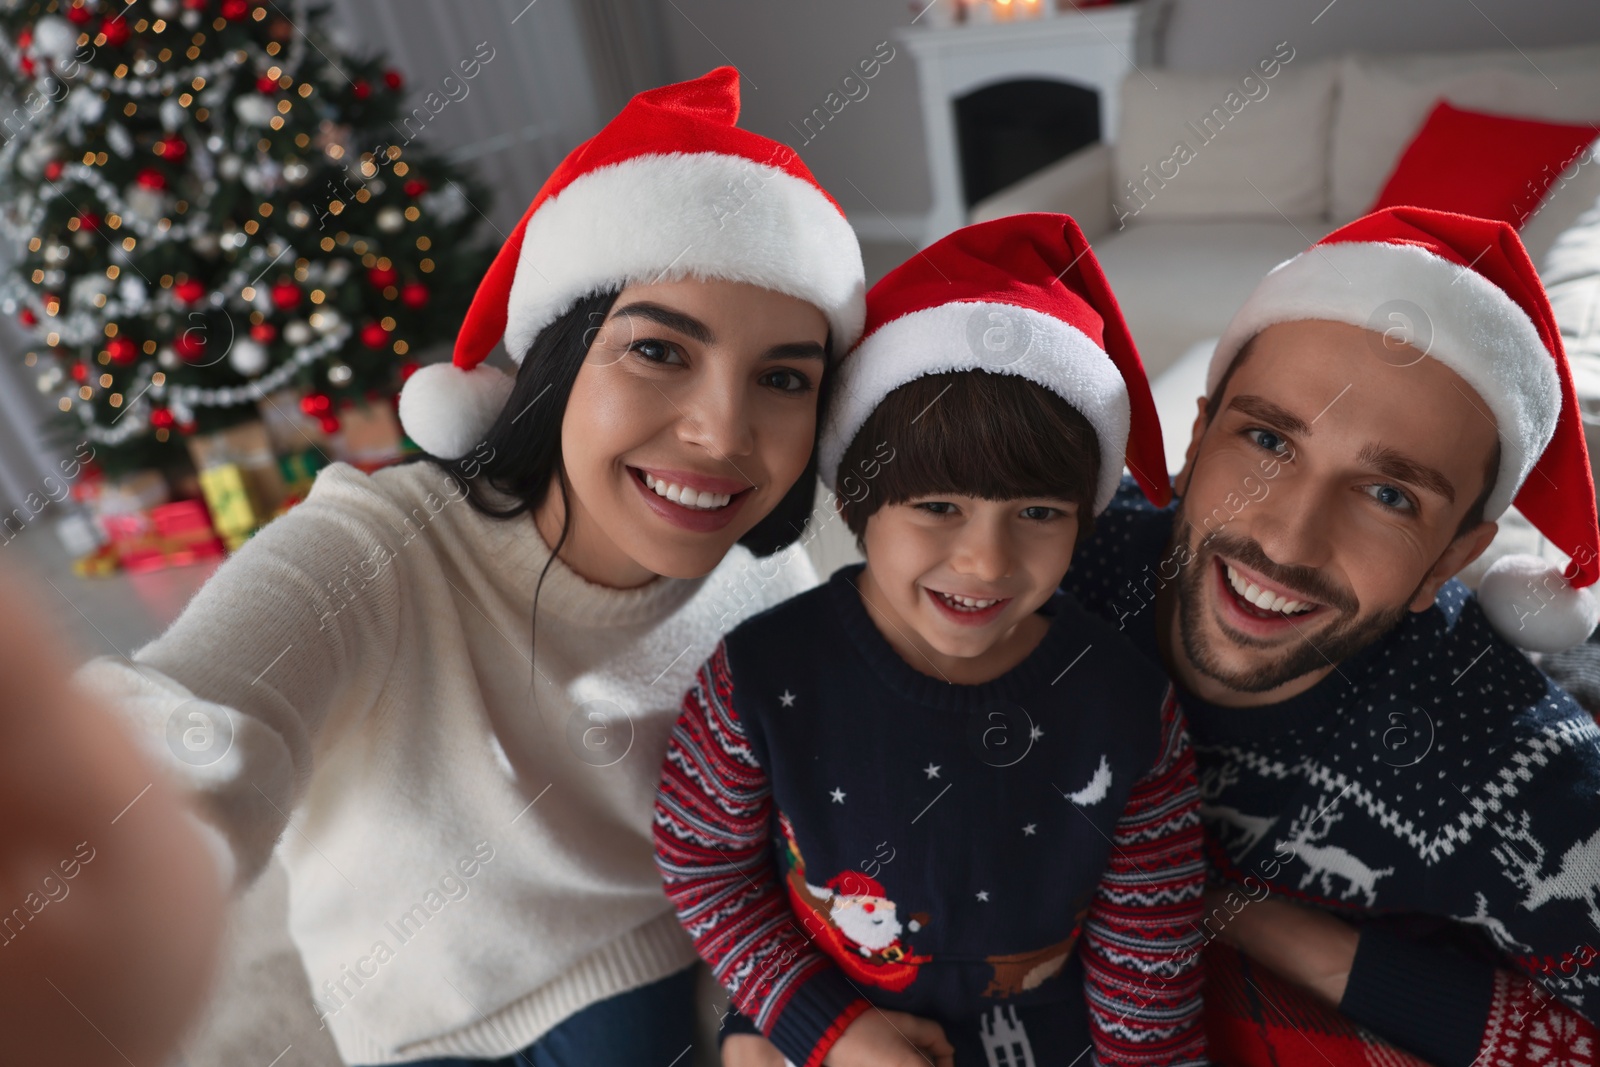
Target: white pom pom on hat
point(1481, 310)
point(671, 188)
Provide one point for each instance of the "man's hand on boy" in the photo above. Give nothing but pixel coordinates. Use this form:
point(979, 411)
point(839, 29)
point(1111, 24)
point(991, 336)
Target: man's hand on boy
point(879, 1038)
point(1303, 945)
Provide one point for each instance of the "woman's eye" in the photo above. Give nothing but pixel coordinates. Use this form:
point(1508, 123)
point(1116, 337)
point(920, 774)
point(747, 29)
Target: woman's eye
point(1266, 439)
point(788, 381)
point(1390, 497)
point(657, 351)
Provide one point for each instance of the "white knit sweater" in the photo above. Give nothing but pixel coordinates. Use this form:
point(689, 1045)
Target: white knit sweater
point(468, 848)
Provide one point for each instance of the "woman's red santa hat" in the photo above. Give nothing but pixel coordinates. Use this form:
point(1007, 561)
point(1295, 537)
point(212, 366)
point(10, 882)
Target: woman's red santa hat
point(1020, 295)
point(1463, 291)
point(669, 189)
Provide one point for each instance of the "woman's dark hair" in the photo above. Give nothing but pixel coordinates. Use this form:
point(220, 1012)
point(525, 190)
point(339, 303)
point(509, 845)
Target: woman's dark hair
point(972, 433)
point(521, 453)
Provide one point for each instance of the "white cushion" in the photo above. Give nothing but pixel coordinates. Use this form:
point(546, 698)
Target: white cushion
point(1180, 282)
point(1572, 194)
point(1176, 392)
point(1383, 101)
point(1225, 144)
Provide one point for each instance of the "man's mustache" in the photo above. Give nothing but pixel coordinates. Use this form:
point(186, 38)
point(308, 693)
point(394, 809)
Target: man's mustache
point(1307, 582)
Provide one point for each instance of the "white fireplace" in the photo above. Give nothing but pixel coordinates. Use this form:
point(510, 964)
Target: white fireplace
point(1092, 49)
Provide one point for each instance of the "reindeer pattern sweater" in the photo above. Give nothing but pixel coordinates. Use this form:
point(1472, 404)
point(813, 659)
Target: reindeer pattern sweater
point(1018, 860)
point(1435, 787)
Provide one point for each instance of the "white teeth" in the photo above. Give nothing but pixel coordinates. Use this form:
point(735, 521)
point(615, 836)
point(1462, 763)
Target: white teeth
point(1261, 598)
point(684, 496)
point(967, 603)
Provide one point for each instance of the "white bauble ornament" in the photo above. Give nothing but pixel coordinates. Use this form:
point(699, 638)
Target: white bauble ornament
point(340, 374)
point(328, 321)
point(335, 273)
point(446, 205)
point(132, 292)
point(85, 109)
point(190, 20)
point(229, 166)
point(215, 142)
point(168, 358)
point(254, 109)
point(295, 172)
point(147, 204)
point(55, 277)
point(83, 239)
point(55, 253)
point(207, 244)
point(298, 332)
point(172, 114)
point(248, 356)
point(299, 217)
point(390, 220)
point(120, 140)
point(54, 38)
point(164, 8)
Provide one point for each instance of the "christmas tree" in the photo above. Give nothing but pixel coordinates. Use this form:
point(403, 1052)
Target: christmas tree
point(215, 203)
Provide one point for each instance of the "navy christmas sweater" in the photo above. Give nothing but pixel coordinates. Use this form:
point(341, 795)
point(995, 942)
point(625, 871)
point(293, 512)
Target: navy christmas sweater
point(1017, 860)
point(1436, 789)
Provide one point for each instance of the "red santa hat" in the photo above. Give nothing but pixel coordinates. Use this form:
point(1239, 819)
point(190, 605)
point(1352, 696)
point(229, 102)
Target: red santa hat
point(1020, 295)
point(1463, 291)
point(669, 189)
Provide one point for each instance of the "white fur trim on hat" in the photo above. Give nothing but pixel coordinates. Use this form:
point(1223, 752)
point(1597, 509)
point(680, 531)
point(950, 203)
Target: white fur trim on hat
point(980, 335)
point(705, 214)
point(1470, 325)
point(447, 410)
point(1529, 603)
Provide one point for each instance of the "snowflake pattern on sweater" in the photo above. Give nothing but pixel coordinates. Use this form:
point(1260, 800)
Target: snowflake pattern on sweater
point(1018, 860)
point(1437, 774)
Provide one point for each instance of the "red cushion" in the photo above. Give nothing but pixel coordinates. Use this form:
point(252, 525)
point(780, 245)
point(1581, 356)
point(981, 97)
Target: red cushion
point(1473, 163)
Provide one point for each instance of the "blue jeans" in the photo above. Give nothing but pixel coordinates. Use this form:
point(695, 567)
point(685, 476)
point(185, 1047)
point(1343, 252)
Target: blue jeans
point(652, 1026)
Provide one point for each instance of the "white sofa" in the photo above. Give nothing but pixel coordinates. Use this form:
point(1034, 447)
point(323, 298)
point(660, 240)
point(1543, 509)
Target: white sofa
point(1185, 237)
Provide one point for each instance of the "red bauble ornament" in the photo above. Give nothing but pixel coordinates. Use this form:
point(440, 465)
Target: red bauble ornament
point(373, 335)
point(79, 15)
point(27, 317)
point(162, 418)
point(414, 294)
point(392, 79)
point(151, 178)
point(361, 89)
point(266, 85)
point(234, 10)
point(329, 424)
point(195, 5)
point(115, 30)
point(88, 220)
point(190, 345)
point(408, 368)
point(80, 372)
point(316, 404)
point(265, 332)
point(382, 277)
point(172, 148)
point(285, 295)
point(190, 291)
point(415, 187)
point(52, 169)
point(122, 351)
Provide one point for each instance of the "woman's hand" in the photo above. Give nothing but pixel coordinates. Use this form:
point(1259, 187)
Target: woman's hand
point(750, 1050)
point(879, 1038)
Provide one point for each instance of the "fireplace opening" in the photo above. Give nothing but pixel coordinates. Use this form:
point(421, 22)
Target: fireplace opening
point(1011, 129)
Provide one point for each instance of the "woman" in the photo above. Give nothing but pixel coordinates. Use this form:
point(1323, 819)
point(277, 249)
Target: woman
point(459, 675)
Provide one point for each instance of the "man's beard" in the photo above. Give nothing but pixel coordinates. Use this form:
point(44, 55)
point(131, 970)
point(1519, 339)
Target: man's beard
point(1333, 645)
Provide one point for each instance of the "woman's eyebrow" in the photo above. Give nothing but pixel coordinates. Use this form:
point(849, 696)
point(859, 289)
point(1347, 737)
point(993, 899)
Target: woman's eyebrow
point(687, 325)
point(796, 350)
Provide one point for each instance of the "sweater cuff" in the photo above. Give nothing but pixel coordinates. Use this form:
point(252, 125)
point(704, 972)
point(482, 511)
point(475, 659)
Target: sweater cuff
point(813, 1016)
point(1429, 1000)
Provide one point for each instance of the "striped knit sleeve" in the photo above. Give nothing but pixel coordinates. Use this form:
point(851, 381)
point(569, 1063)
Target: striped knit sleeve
point(712, 832)
point(1142, 939)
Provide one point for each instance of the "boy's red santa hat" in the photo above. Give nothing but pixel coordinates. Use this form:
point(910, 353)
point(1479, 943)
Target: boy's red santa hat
point(1484, 314)
point(669, 189)
point(1020, 295)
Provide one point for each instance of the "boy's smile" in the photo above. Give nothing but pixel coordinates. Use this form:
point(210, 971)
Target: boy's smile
point(953, 582)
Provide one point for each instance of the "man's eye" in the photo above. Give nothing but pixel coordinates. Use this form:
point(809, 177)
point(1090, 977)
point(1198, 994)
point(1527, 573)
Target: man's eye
point(657, 351)
point(1390, 497)
point(1039, 512)
point(937, 507)
point(1266, 439)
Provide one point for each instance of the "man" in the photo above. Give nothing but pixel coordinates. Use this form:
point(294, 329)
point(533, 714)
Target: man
point(1402, 813)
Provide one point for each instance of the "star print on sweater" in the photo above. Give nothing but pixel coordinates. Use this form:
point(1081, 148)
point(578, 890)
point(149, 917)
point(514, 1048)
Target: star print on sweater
point(1080, 931)
point(1434, 787)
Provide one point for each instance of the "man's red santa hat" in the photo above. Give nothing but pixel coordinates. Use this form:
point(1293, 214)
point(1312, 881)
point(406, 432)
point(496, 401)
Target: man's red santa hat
point(1020, 295)
point(669, 189)
point(1481, 311)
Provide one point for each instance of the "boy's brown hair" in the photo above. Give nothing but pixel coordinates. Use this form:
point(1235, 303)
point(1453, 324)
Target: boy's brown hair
point(972, 433)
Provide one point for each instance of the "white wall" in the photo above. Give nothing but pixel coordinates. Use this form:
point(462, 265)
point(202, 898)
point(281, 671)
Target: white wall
point(793, 54)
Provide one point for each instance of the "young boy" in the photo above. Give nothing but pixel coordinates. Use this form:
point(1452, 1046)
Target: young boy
point(933, 810)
